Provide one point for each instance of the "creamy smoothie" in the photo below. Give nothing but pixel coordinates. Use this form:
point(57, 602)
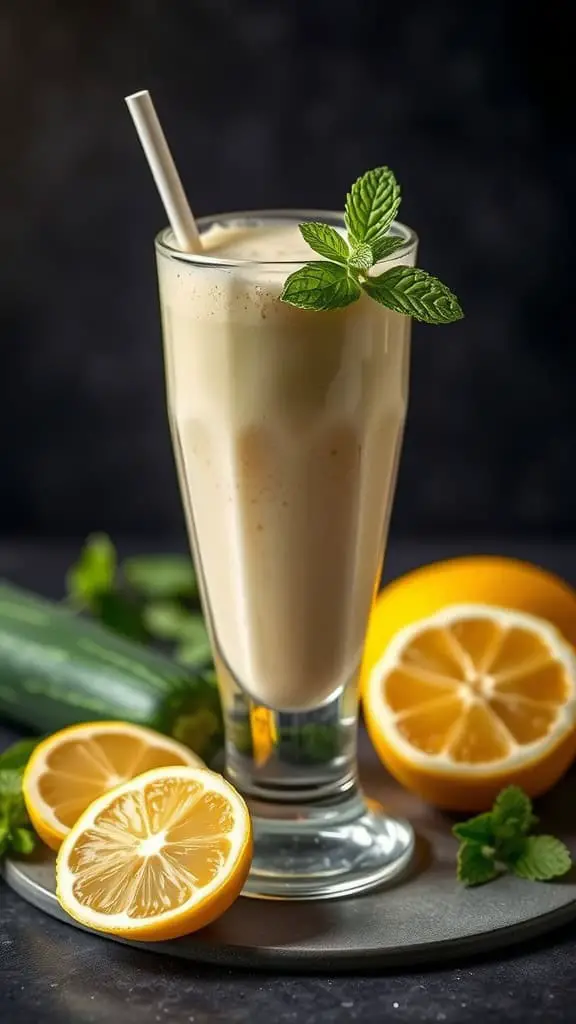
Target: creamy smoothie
point(287, 427)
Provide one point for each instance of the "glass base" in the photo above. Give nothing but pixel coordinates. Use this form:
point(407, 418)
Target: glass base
point(306, 852)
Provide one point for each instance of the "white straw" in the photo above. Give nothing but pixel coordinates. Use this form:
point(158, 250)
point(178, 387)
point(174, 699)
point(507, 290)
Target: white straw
point(164, 171)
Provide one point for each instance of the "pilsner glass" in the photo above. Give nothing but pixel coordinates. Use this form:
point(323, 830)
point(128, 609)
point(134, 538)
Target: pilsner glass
point(287, 428)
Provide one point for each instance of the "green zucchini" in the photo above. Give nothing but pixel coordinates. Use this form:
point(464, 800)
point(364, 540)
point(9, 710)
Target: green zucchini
point(57, 668)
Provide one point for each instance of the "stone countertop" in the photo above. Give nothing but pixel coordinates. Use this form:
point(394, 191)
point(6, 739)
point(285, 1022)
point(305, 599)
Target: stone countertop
point(53, 974)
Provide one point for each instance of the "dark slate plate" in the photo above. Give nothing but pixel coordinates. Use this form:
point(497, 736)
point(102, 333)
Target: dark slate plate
point(422, 918)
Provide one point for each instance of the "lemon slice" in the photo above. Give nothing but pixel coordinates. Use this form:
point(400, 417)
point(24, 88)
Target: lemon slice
point(470, 699)
point(67, 771)
point(158, 857)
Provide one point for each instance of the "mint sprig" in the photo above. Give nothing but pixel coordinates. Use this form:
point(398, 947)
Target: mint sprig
point(498, 841)
point(344, 273)
point(15, 834)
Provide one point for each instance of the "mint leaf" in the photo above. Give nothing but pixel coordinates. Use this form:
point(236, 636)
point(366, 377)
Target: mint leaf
point(161, 575)
point(195, 648)
point(361, 257)
point(167, 620)
point(371, 205)
point(13, 816)
point(326, 241)
point(478, 829)
point(94, 572)
point(320, 286)
point(22, 840)
point(475, 864)
point(17, 756)
point(541, 858)
point(11, 788)
point(512, 813)
point(498, 839)
point(384, 247)
point(413, 292)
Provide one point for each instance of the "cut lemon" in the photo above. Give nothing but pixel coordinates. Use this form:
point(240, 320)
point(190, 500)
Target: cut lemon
point(471, 699)
point(67, 771)
point(157, 858)
point(479, 579)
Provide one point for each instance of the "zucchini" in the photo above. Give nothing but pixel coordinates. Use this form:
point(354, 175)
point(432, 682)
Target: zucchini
point(57, 668)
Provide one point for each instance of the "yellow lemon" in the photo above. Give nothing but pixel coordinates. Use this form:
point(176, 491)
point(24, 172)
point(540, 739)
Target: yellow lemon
point(480, 579)
point(158, 857)
point(470, 699)
point(67, 771)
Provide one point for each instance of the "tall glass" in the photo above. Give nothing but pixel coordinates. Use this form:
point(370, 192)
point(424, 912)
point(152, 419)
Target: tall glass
point(287, 428)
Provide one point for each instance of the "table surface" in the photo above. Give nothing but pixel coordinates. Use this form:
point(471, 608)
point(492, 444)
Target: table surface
point(52, 974)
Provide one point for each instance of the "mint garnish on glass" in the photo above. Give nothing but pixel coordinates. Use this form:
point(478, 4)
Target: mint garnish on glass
point(344, 273)
point(499, 841)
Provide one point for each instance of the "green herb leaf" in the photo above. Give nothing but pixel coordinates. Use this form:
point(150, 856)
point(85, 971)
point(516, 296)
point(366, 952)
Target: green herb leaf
point(195, 648)
point(476, 864)
point(11, 788)
point(413, 292)
point(541, 858)
point(326, 241)
point(320, 286)
point(167, 620)
point(361, 257)
point(94, 572)
point(371, 205)
point(22, 840)
point(512, 813)
point(13, 816)
point(17, 756)
point(161, 575)
point(479, 829)
point(384, 247)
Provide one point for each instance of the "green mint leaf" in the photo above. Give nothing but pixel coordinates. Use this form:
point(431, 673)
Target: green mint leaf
point(541, 858)
point(479, 829)
point(161, 575)
point(384, 247)
point(94, 572)
point(17, 756)
point(320, 286)
point(10, 785)
point(415, 293)
point(326, 241)
point(195, 648)
point(12, 807)
point(371, 205)
point(476, 864)
point(22, 840)
point(167, 620)
point(361, 257)
point(512, 813)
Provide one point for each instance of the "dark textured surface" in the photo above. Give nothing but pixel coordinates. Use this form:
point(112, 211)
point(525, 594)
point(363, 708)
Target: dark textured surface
point(53, 974)
point(285, 104)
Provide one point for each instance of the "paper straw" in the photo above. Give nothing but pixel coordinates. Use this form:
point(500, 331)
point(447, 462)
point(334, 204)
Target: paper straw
point(164, 171)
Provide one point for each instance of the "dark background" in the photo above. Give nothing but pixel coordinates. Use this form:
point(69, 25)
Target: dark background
point(285, 103)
